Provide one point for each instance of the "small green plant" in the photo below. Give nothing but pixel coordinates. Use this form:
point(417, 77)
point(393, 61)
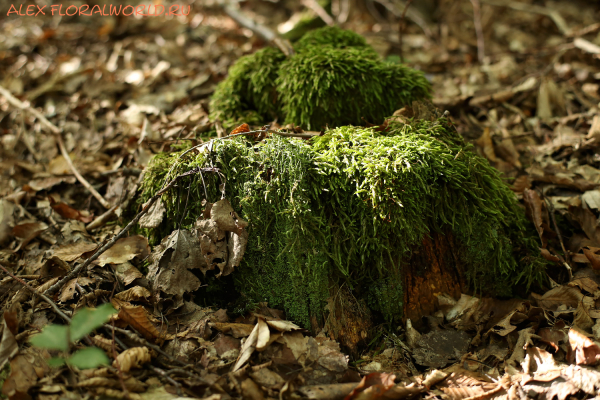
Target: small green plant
point(62, 337)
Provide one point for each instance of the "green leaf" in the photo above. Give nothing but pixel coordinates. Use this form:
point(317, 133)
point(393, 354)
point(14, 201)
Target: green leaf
point(53, 337)
point(88, 319)
point(56, 362)
point(90, 357)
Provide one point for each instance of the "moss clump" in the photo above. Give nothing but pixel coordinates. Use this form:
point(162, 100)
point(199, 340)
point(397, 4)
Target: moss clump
point(350, 207)
point(334, 37)
point(335, 78)
point(249, 94)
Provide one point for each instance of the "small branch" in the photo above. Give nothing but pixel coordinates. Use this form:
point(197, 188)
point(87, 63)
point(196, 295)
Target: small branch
point(58, 136)
point(554, 15)
point(52, 289)
point(258, 29)
point(401, 26)
point(478, 30)
point(35, 292)
point(320, 11)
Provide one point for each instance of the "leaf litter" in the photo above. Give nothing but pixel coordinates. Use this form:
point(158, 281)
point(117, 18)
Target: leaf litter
point(531, 108)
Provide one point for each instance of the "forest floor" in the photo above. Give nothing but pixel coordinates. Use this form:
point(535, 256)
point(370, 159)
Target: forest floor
point(85, 101)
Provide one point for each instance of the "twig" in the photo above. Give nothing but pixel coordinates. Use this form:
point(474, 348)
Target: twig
point(109, 244)
point(260, 30)
point(478, 30)
point(560, 239)
point(168, 378)
point(101, 219)
point(319, 10)
point(58, 136)
point(401, 26)
point(554, 15)
point(35, 292)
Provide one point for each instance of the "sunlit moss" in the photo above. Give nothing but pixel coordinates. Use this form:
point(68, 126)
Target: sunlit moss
point(350, 207)
point(335, 78)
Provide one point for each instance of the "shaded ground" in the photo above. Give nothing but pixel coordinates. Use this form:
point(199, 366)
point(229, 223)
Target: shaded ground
point(525, 91)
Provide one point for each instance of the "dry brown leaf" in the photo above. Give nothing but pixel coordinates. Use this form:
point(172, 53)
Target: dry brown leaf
point(25, 370)
point(582, 350)
point(153, 216)
point(7, 219)
point(28, 231)
point(263, 334)
point(125, 249)
point(137, 317)
point(69, 290)
point(237, 330)
point(126, 272)
point(283, 326)
point(136, 293)
point(247, 349)
point(560, 295)
point(66, 211)
point(535, 208)
point(71, 252)
point(133, 357)
point(373, 386)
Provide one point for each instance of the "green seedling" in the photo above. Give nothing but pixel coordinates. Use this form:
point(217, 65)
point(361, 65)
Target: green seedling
point(62, 337)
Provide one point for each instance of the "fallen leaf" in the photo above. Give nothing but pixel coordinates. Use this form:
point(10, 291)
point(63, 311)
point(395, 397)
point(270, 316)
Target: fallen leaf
point(134, 357)
point(125, 249)
point(247, 349)
point(582, 349)
point(71, 252)
point(372, 386)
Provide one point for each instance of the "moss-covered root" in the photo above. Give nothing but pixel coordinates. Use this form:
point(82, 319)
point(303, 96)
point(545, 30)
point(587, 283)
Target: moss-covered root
point(333, 87)
point(248, 94)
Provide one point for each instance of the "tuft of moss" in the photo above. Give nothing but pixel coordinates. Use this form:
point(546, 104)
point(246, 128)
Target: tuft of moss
point(335, 78)
point(336, 87)
point(350, 208)
point(335, 37)
point(249, 93)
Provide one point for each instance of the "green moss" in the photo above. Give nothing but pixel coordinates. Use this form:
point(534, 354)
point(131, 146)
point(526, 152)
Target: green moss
point(340, 86)
point(335, 78)
point(351, 206)
point(248, 94)
point(334, 37)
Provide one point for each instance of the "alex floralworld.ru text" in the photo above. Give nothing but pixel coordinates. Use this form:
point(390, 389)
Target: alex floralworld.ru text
point(104, 10)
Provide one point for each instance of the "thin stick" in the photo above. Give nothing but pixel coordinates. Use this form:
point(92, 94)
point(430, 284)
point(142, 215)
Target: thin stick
point(560, 239)
point(35, 292)
point(478, 30)
point(260, 30)
point(401, 27)
point(319, 10)
point(110, 243)
point(58, 136)
point(554, 15)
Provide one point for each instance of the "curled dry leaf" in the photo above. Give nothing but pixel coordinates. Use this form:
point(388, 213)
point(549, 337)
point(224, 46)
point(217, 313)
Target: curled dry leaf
point(237, 330)
point(28, 231)
point(7, 219)
point(247, 349)
point(71, 252)
point(125, 249)
point(137, 317)
point(172, 262)
point(136, 293)
point(582, 349)
point(263, 335)
point(372, 386)
point(153, 216)
point(66, 211)
point(134, 357)
point(283, 326)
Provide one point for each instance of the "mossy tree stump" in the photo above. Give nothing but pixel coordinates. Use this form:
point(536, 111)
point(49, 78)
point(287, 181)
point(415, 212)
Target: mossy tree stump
point(359, 223)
